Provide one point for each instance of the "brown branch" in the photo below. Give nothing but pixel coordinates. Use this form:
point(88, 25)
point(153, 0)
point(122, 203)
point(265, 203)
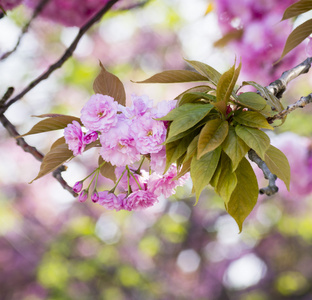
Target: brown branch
point(34, 152)
point(134, 6)
point(67, 54)
point(36, 12)
point(271, 189)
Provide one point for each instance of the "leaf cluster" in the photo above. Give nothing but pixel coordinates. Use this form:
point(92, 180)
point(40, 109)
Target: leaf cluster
point(212, 129)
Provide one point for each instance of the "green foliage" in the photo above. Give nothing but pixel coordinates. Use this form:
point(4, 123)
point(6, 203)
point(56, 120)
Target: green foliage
point(212, 129)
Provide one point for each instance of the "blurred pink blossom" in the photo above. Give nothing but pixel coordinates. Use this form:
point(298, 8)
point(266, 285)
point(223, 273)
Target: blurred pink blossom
point(9, 4)
point(158, 160)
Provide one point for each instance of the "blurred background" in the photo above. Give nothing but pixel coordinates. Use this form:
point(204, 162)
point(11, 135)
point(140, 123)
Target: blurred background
point(52, 247)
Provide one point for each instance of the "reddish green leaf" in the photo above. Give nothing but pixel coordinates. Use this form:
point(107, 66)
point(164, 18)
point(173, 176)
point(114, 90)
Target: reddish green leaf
point(58, 142)
point(252, 119)
point(107, 170)
point(199, 88)
point(245, 194)
point(52, 123)
point(174, 76)
point(108, 84)
point(228, 37)
point(297, 8)
point(212, 136)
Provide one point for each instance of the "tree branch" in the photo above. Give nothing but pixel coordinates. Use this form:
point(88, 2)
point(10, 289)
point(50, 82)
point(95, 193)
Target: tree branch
point(34, 152)
point(36, 12)
point(67, 54)
point(278, 86)
point(271, 189)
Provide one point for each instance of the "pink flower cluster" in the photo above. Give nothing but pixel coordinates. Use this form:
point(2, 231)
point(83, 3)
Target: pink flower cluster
point(66, 12)
point(131, 140)
point(263, 38)
point(9, 4)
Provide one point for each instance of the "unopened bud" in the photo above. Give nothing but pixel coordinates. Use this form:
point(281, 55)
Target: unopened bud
point(95, 196)
point(83, 196)
point(78, 186)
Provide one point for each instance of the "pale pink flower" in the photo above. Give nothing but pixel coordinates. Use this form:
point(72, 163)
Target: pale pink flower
point(158, 161)
point(118, 145)
point(99, 113)
point(74, 138)
point(9, 4)
point(163, 108)
point(140, 106)
point(165, 184)
point(139, 199)
point(149, 134)
point(110, 200)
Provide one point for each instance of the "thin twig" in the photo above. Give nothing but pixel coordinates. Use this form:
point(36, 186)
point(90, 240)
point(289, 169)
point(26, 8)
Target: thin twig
point(271, 189)
point(36, 12)
point(67, 54)
point(278, 86)
point(301, 103)
point(34, 152)
point(134, 6)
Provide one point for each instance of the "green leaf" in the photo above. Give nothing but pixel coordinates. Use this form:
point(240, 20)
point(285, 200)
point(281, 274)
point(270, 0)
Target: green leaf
point(225, 87)
point(189, 119)
point(53, 159)
point(245, 194)
point(296, 37)
point(199, 88)
point(191, 149)
point(186, 167)
point(205, 70)
point(203, 169)
point(212, 136)
point(174, 76)
point(234, 147)
point(252, 119)
point(107, 170)
point(278, 164)
point(297, 8)
point(268, 96)
point(252, 100)
point(254, 138)
point(195, 130)
point(227, 179)
point(52, 123)
point(195, 96)
point(179, 111)
point(108, 84)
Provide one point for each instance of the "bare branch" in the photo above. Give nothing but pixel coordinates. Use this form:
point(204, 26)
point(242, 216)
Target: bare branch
point(34, 152)
point(278, 86)
point(67, 54)
point(271, 189)
point(36, 12)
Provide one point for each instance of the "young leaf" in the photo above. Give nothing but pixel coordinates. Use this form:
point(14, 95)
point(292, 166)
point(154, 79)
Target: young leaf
point(186, 167)
point(228, 37)
point(195, 130)
point(53, 159)
point(178, 111)
point(108, 84)
point(278, 164)
point(296, 37)
point(189, 119)
point(227, 179)
point(245, 194)
point(191, 149)
point(174, 76)
point(252, 100)
point(234, 147)
point(203, 169)
point(205, 70)
point(107, 170)
point(52, 123)
point(297, 8)
point(254, 138)
point(212, 136)
point(252, 119)
point(225, 87)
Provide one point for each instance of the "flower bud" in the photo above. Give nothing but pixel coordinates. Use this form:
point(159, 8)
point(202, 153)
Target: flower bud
point(95, 196)
point(78, 186)
point(83, 196)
